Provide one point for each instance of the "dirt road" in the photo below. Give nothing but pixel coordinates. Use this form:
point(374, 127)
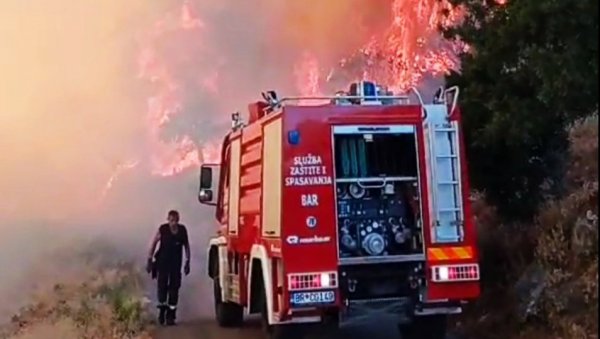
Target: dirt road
point(208, 329)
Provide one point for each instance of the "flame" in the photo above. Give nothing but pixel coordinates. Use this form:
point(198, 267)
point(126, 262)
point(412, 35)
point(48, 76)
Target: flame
point(412, 46)
point(194, 64)
point(117, 172)
point(308, 77)
point(410, 49)
point(181, 152)
point(400, 55)
point(168, 156)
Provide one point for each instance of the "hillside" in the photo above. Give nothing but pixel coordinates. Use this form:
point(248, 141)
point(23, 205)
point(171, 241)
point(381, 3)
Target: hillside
point(93, 296)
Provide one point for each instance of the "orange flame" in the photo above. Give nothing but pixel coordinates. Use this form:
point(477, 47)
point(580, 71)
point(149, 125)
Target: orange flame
point(308, 77)
point(168, 157)
point(400, 56)
point(174, 156)
point(117, 172)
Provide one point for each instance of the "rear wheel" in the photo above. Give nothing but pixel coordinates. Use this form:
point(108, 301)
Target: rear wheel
point(228, 314)
point(425, 327)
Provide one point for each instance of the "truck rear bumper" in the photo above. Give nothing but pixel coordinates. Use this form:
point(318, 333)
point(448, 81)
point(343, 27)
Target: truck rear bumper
point(438, 310)
point(356, 312)
point(401, 309)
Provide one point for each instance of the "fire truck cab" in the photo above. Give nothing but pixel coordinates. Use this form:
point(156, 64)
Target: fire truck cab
point(336, 212)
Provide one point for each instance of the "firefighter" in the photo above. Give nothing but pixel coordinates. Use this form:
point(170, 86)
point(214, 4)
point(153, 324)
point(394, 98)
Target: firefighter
point(165, 265)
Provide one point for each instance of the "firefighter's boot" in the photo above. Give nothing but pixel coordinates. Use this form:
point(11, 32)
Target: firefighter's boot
point(171, 315)
point(162, 313)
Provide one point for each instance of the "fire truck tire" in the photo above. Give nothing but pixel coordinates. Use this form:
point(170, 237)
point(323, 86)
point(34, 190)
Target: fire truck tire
point(425, 327)
point(228, 314)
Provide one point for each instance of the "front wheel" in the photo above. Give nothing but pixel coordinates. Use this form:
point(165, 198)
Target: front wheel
point(228, 314)
point(425, 327)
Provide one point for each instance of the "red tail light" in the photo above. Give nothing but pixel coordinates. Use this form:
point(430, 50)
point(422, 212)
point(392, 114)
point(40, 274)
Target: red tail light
point(453, 273)
point(308, 281)
point(294, 282)
point(316, 280)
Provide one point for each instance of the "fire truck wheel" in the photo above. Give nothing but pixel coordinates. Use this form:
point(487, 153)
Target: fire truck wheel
point(425, 327)
point(228, 314)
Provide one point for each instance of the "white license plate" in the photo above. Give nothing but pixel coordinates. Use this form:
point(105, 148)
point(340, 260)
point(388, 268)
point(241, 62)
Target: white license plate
point(312, 298)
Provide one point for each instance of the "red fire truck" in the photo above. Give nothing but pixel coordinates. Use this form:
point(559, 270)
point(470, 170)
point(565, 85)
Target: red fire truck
point(335, 212)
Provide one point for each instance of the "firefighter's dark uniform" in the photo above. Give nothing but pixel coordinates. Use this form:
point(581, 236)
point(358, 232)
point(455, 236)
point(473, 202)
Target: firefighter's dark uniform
point(168, 269)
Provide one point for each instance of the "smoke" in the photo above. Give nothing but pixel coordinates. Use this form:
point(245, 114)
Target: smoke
point(70, 110)
point(203, 60)
point(107, 108)
point(73, 107)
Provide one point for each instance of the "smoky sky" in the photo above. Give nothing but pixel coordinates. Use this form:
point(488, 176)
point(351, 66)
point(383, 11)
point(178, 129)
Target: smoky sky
point(73, 105)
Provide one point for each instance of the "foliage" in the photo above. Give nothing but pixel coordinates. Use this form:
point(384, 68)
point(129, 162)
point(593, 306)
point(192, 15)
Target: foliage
point(563, 242)
point(568, 242)
point(530, 70)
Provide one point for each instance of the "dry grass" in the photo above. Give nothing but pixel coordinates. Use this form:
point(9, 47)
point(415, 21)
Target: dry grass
point(90, 297)
point(563, 243)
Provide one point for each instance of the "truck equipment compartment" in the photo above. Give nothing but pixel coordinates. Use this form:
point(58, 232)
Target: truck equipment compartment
point(377, 192)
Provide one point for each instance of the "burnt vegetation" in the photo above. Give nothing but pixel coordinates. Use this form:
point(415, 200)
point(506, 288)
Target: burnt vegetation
point(530, 100)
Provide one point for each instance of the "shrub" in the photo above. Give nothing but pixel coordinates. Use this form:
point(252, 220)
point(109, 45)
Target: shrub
point(562, 242)
point(103, 300)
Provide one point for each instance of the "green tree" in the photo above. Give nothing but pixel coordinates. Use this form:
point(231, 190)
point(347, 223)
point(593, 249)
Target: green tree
point(532, 69)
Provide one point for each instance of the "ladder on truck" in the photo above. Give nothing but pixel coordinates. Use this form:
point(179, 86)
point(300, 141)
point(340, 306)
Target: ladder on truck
point(446, 182)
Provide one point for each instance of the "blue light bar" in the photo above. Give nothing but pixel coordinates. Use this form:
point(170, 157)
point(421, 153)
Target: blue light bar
point(369, 89)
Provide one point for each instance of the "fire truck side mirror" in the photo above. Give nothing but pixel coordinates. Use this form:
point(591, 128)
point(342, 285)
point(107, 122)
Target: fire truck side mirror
point(209, 184)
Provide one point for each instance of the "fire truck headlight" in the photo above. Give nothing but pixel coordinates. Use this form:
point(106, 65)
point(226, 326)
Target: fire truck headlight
point(325, 280)
point(443, 273)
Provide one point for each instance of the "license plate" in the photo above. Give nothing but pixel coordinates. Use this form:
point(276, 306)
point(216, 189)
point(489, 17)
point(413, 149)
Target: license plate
point(312, 298)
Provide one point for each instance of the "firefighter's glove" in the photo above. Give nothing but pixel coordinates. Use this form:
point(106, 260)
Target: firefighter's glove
point(186, 268)
point(149, 266)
